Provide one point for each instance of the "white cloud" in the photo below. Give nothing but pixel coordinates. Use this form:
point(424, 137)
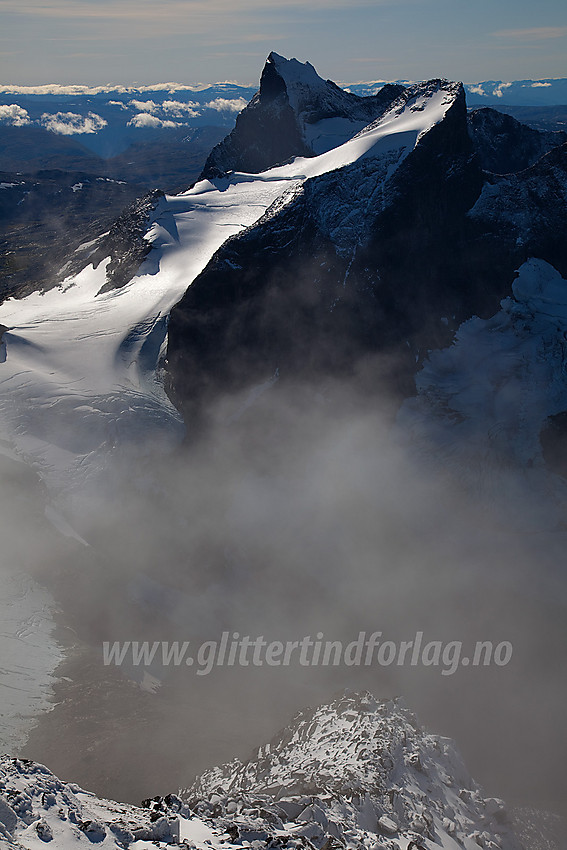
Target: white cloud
point(149, 112)
point(70, 124)
point(222, 104)
point(144, 119)
point(477, 89)
point(498, 91)
point(144, 105)
point(57, 89)
point(14, 115)
point(178, 109)
point(540, 85)
point(117, 103)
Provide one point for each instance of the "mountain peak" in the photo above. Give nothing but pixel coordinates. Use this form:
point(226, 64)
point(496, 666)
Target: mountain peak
point(366, 763)
point(299, 78)
point(421, 797)
point(294, 113)
point(353, 743)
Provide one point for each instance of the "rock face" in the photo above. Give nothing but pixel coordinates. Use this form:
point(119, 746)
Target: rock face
point(498, 392)
point(504, 145)
point(337, 263)
point(357, 772)
point(294, 113)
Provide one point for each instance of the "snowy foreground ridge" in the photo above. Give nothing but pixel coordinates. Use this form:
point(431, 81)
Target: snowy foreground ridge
point(79, 367)
point(356, 773)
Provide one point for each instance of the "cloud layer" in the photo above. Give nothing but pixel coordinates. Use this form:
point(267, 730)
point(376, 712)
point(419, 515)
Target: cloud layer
point(137, 113)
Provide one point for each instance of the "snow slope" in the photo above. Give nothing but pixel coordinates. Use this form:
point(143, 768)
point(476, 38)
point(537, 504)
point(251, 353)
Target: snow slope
point(79, 381)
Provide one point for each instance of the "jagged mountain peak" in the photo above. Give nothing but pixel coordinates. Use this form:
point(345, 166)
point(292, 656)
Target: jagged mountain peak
point(355, 743)
point(294, 74)
point(360, 765)
point(294, 113)
point(314, 98)
point(308, 94)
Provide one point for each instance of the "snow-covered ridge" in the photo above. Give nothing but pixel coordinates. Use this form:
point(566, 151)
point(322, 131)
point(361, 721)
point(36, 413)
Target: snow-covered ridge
point(358, 772)
point(367, 765)
point(79, 381)
point(38, 809)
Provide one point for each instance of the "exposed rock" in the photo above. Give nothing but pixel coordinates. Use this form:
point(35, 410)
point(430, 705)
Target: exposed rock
point(505, 145)
point(125, 243)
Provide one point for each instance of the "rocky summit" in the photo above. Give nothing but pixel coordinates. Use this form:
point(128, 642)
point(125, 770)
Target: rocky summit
point(357, 773)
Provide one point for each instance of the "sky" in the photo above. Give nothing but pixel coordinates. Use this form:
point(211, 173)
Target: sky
point(199, 41)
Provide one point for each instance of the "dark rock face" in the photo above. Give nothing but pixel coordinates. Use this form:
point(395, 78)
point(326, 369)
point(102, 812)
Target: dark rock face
point(553, 440)
point(270, 130)
point(304, 295)
point(45, 217)
point(504, 145)
point(125, 243)
point(524, 215)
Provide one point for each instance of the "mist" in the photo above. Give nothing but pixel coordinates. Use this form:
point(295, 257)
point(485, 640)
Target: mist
point(302, 509)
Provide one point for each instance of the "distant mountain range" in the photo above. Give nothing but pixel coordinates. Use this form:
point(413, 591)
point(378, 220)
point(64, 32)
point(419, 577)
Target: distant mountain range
point(159, 135)
point(108, 120)
point(548, 92)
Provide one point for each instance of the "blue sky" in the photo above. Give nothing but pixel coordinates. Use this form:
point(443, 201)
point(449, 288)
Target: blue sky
point(191, 41)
